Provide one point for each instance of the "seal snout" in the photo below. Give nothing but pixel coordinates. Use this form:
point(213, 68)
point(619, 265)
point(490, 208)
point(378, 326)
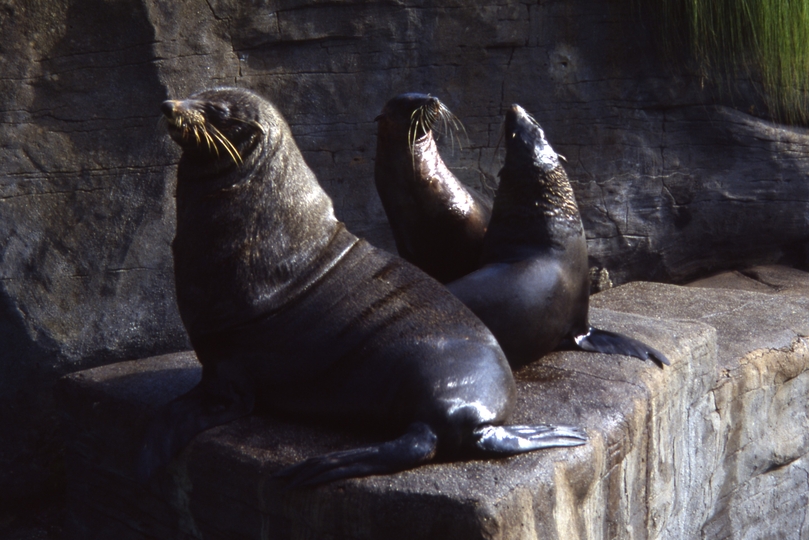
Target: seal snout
point(519, 121)
point(525, 139)
point(189, 124)
point(517, 110)
point(167, 108)
point(412, 100)
point(402, 107)
point(178, 112)
point(172, 110)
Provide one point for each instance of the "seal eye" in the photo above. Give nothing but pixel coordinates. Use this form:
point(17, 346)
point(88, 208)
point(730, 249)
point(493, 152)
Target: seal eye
point(217, 112)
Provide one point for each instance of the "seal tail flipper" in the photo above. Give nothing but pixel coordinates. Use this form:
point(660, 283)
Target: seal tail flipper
point(417, 446)
point(510, 440)
point(602, 341)
point(173, 427)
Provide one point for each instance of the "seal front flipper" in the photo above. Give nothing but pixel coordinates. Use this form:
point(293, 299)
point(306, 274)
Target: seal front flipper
point(415, 447)
point(173, 427)
point(511, 440)
point(606, 342)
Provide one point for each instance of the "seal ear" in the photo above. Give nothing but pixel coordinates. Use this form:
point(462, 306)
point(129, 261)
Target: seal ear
point(378, 117)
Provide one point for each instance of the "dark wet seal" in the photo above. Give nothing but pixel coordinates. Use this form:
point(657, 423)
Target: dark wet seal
point(532, 288)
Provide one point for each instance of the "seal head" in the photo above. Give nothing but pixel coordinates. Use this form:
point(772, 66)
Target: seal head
point(209, 129)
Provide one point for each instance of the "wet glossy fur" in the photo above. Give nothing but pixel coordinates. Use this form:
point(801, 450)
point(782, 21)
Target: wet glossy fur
point(286, 308)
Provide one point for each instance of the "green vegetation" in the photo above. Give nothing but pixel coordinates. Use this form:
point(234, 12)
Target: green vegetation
point(764, 40)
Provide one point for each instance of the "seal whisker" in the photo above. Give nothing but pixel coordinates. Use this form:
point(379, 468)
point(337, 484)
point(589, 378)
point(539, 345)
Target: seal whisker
point(451, 129)
point(182, 126)
point(217, 138)
point(251, 123)
point(232, 152)
point(211, 142)
point(258, 126)
point(458, 126)
point(442, 121)
point(228, 146)
point(416, 122)
point(411, 144)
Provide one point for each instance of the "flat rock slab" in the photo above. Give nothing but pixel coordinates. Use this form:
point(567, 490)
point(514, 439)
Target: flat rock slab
point(713, 446)
point(772, 279)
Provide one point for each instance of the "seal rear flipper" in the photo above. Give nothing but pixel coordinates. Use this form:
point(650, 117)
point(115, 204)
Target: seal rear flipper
point(415, 447)
point(510, 440)
point(602, 341)
point(173, 426)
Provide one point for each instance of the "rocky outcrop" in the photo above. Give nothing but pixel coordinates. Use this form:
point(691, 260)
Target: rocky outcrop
point(85, 214)
point(672, 182)
point(714, 446)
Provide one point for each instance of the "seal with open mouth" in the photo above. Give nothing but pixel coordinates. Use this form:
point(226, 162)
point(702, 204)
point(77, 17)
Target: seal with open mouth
point(438, 223)
point(287, 309)
point(532, 288)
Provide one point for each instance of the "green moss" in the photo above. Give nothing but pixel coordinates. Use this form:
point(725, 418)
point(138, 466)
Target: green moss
point(764, 40)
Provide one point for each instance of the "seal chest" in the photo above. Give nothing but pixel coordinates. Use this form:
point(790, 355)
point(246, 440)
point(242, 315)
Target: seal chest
point(287, 308)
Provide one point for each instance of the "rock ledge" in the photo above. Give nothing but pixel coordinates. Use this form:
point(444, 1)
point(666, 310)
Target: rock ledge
point(713, 447)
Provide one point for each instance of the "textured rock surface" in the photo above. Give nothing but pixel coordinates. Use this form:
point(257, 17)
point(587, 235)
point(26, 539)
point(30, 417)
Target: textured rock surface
point(716, 446)
point(772, 279)
point(85, 214)
point(671, 182)
point(748, 475)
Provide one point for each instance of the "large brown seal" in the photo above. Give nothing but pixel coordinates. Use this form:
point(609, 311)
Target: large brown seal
point(438, 223)
point(286, 308)
point(532, 289)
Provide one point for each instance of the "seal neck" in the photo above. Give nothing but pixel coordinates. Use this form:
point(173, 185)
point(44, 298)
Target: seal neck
point(436, 181)
point(270, 225)
point(533, 211)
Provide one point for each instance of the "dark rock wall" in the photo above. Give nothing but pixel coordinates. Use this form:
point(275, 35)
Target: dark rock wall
point(85, 212)
point(672, 182)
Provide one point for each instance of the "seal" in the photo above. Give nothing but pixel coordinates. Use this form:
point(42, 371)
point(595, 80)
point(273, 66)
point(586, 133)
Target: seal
point(289, 311)
point(438, 223)
point(532, 289)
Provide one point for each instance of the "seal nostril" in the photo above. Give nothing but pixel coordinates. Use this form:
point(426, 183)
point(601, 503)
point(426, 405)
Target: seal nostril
point(167, 108)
